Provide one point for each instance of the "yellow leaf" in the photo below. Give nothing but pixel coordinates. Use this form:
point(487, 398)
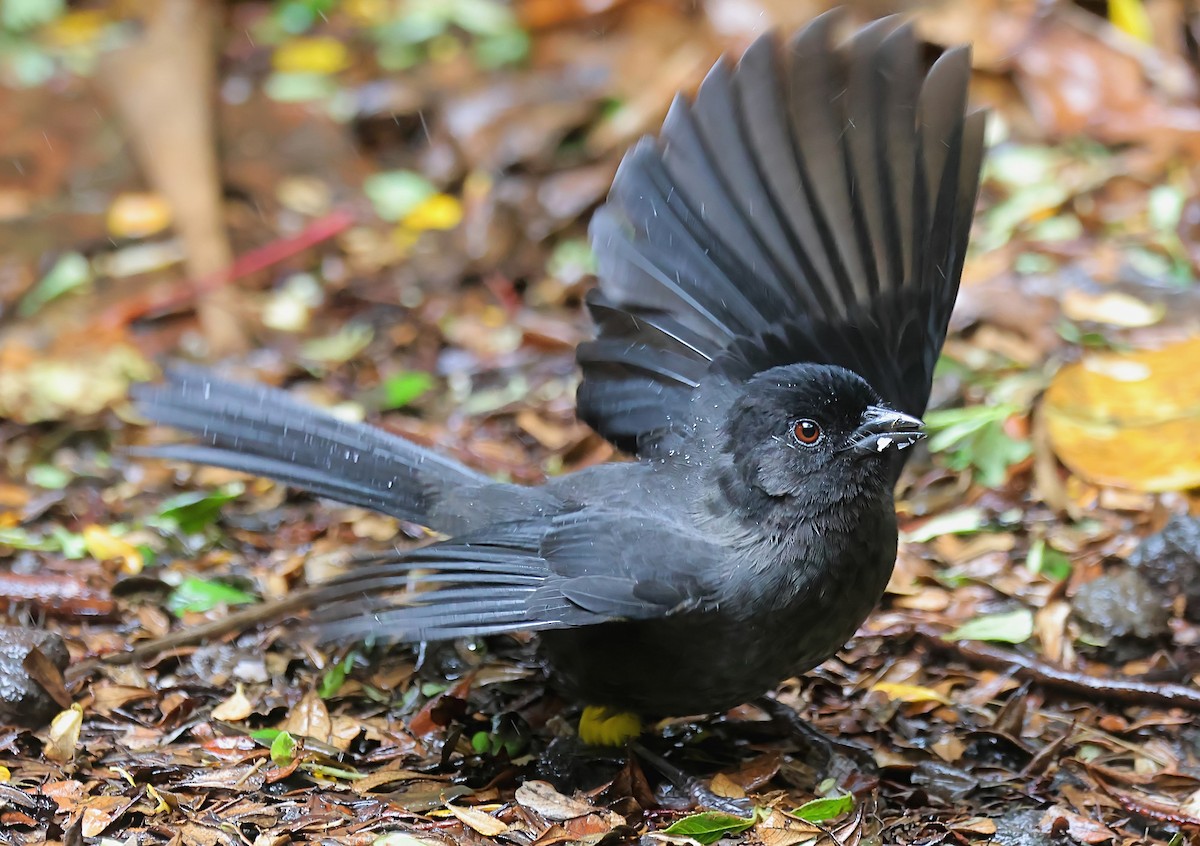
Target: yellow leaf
point(5, 775)
point(441, 211)
point(138, 216)
point(1130, 419)
point(77, 28)
point(103, 545)
point(319, 55)
point(368, 12)
point(1130, 17)
point(485, 824)
point(234, 709)
point(64, 734)
point(909, 692)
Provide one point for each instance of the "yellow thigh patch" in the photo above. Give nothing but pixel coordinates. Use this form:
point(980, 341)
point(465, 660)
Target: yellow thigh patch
point(601, 726)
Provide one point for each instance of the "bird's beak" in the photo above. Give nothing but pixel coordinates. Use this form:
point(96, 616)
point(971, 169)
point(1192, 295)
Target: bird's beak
point(882, 429)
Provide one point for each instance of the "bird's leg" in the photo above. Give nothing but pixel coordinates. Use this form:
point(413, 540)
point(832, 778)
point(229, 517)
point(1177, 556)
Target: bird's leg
point(832, 757)
point(700, 792)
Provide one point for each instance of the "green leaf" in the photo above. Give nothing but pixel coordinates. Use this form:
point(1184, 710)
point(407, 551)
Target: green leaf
point(283, 749)
point(70, 272)
point(974, 438)
point(395, 193)
point(710, 826)
point(299, 87)
point(403, 389)
point(826, 808)
point(1010, 627)
point(265, 736)
point(339, 347)
point(48, 476)
point(21, 15)
point(505, 48)
point(195, 511)
point(19, 538)
point(1047, 561)
point(202, 595)
point(481, 742)
point(335, 677)
point(571, 260)
point(962, 521)
point(1165, 207)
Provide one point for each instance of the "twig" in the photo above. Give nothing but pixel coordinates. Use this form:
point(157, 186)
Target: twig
point(1130, 691)
point(261, 258)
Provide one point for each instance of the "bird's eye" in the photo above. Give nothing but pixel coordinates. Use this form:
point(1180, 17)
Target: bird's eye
point(808, 432)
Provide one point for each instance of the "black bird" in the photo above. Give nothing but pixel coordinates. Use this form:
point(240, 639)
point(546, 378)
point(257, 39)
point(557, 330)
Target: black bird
point(776, 274)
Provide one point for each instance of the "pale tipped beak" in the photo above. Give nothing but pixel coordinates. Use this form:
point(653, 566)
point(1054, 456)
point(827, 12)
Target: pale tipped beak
point(882, 429)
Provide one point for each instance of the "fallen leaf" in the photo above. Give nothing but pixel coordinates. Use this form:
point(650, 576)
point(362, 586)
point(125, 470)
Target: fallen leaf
point(909, 692)
point(1130, 419)
point(234, 709)
point(138, 216)
point(709, 826)
point(483, 823)
point(64, 734)
point(1010, 627)
point(440, 211)
point(103, 545)
point(1079, 827)
point(317, 55)
point(723, 785)
point(975, 825)
point(541, 796)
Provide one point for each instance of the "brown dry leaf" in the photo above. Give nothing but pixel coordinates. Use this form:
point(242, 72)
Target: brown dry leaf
point(723, 785)
point(949, 748)
point(107, 697)
point(310, 718)
point(1050, 624)
point(100, 812)
point(975, 825)
point(1076, 84)
point(234, 709)
point(540, 796)
point(1130, 419)
point(780, 829)
point(549, 433)
point(1111, 307)
point(756, 772)
point(1079, 827)
point(484, 823)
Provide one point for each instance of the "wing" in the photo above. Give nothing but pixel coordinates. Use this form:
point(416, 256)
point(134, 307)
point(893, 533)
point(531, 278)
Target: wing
point(812, 204)
point(576, 569)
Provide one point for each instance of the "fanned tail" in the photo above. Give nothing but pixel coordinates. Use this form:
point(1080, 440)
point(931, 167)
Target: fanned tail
point(263, 431)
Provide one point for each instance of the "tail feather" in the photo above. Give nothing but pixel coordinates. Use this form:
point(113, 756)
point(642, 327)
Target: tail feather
point(263, 431)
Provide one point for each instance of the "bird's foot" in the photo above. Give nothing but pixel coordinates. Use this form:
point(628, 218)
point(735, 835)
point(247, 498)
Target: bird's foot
point(845, 762)
point(699, 792)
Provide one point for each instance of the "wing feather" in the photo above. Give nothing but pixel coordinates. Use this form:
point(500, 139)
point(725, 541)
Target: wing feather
point(811, 204)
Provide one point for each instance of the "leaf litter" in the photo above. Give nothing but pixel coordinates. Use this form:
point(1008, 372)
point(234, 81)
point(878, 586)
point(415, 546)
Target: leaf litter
point(1011, 690)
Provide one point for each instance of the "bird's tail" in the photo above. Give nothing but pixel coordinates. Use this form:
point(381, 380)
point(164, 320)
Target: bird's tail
point(263, 431)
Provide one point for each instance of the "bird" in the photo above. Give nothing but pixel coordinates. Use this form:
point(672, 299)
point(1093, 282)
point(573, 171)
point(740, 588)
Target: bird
point(776, 272)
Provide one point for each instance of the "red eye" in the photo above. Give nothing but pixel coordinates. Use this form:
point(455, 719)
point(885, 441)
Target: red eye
point(808, 432)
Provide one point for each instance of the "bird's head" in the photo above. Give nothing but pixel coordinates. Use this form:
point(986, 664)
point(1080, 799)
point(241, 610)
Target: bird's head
point(804, 430)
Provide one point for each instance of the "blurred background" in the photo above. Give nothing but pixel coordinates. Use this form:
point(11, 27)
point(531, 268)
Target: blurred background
point(383, 204)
